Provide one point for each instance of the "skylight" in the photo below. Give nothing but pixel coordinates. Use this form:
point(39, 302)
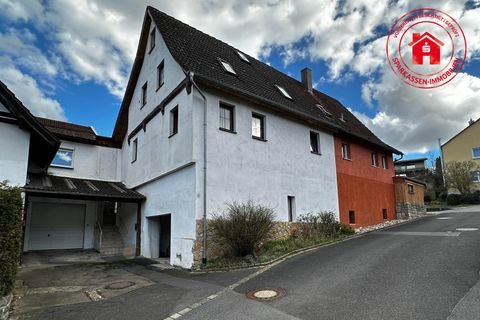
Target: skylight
point(283, 91)
point(243, 56)
point(226, 66)
point(324, 110)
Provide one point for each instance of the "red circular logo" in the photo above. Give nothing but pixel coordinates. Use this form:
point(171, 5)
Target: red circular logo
point(426, 48)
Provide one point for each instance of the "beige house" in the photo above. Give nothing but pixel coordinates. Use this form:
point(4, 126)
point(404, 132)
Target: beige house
point(465, 146)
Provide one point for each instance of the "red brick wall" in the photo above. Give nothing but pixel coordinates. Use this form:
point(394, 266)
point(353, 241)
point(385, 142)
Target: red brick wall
point(365, 189)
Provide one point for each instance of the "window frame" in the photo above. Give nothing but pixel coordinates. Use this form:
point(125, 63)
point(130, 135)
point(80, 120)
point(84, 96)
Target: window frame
point(161, 71)
point(346, 152)
point(134, 150)
point(351, 213)
point(231, 108)
point(63, 166)
point(384, 162)
point(374, 159)
point(227, 66)
point(144, 99)
point(291, 209)
point(410, 188)
point(152, 39)
point(475, 174)
point(263, 131)
point(473, 153)
point(316, 136)
point(174, 121)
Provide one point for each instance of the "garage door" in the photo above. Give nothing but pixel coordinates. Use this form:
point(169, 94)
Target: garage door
point(56, 226)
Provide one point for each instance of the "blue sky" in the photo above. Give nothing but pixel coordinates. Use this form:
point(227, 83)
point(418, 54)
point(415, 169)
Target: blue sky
point(71, 60)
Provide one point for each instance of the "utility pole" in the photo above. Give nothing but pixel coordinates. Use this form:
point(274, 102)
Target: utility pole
point(443, 163)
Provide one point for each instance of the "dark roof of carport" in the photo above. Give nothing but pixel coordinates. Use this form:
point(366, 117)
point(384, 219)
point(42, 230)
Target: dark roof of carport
point(74, 188)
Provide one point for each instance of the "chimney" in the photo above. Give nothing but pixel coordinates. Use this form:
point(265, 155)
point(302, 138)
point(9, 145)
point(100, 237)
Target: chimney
point(471, 122)
point(416, 36)
point(307, 78)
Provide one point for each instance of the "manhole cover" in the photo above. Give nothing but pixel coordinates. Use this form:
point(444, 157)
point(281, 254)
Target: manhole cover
point(466, 229)
point(120, 285)
point(266, 294)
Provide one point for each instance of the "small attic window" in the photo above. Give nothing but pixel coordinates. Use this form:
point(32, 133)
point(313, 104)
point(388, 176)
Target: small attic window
point(226, 66)
point(283, 91)
point(243, 56)
point(324, 110)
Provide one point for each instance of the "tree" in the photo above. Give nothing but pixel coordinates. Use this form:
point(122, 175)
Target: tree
point(438, 176)
point(457, 174)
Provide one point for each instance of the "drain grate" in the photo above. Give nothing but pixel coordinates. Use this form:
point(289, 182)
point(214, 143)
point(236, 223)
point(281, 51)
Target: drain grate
point(266, 294)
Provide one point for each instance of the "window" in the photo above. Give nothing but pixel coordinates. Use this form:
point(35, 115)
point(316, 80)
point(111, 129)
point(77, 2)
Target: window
point(160, 72)
point(476, 153)
point(374, 158)
point(410, 188)
point(291, 208)
point(174, 121)
point(475, 175)
point(226, 66)
point(134, 150)
point(63, 158)
point(384, 213)
point(258, 126)
point(283, 92)
point(384, 162)
point(152, 40)
point(144, 94)
point(314, 142)
point(226, 117)
point(243, 56)
point(351, 217)
point(346, 151)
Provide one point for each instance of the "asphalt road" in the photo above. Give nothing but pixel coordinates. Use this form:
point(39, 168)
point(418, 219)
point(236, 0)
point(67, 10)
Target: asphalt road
point(421, 270)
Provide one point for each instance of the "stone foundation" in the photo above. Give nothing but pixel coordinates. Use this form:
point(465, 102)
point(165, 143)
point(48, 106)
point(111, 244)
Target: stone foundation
point(409, 210)
point(5, 303)
point(215, 249)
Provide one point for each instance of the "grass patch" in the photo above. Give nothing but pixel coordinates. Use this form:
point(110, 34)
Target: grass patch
point(270, 251)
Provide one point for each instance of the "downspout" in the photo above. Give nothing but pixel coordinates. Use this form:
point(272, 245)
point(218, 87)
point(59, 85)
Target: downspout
point(204, 252)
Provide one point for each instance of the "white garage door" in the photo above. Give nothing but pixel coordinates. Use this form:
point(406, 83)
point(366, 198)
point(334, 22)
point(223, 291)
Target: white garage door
point(56, 226)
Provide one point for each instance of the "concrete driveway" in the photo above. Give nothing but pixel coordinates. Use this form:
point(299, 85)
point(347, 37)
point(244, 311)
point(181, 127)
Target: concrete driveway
point(89, 288)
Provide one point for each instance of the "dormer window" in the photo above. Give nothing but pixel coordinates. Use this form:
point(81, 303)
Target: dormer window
point(227, 66)
point(243, 56)
point(283, 92)
point(152, 40)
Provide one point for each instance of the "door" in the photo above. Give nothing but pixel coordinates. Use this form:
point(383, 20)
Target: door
point(56, 226)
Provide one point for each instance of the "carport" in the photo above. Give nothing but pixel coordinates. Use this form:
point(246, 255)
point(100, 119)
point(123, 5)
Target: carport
point(72, 213)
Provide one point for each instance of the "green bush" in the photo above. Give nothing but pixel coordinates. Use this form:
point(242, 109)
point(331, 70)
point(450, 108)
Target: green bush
point(427, 198)
point(318, 225)
point(468, 198)
point(346, 229)
point(10, 235)
point(244, 227)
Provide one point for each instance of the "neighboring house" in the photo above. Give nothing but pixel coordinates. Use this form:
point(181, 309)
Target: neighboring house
point(203, 124)
point(411, 168)
point(465, 146)
point(409, 195)
point(416, 168)
point(425, 45)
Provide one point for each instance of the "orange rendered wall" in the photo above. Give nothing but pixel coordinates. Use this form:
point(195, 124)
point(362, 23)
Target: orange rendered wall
point(363, 188)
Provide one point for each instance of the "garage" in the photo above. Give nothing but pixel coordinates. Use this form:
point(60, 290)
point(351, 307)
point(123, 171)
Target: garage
point(56, 226)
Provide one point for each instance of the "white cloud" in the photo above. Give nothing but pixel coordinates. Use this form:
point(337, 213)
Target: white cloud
point(27, 90)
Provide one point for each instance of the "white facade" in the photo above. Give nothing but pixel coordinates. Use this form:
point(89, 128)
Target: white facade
point(168, 170)
point(90, 162)
point(15, 144)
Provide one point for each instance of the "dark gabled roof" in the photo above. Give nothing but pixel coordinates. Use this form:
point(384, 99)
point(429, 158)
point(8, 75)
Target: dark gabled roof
point(43, 144)
point(74, 188)
point(469, 126)
point(199, 53)
point(75, 132)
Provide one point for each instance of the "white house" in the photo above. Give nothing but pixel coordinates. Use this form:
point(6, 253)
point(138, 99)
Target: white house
point(201, 124)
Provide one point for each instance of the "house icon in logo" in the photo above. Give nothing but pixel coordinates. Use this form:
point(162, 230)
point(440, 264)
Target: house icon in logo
point(425, 45)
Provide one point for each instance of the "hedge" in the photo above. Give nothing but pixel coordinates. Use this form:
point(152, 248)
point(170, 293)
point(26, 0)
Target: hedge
point(10, 235)
point(469, 198)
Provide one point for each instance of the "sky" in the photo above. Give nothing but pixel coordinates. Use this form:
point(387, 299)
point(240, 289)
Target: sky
point(70, 60)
